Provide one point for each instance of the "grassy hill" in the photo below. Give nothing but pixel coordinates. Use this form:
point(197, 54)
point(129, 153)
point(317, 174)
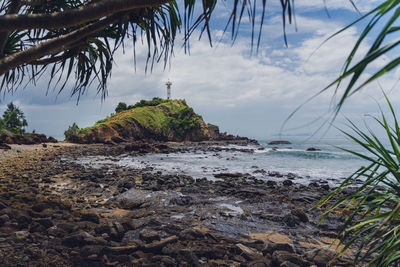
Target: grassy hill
point(171, 120)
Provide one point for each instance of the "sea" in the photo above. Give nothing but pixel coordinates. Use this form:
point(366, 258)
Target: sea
point(329, 165)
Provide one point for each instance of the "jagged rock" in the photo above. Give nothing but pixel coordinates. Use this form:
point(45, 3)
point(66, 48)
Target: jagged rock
point(248, 253)
point(270, 247)
point(149, 236)
point(158, 245)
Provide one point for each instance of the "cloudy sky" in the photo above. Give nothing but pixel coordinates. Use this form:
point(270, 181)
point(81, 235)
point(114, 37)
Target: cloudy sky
point(243, 93)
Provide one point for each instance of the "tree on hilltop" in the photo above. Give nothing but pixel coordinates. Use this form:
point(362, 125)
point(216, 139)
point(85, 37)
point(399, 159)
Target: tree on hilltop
point(14, 119)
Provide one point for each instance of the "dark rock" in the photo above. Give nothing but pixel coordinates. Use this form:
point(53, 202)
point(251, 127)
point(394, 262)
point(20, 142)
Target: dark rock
point(248, 253)
point(51, 139)
point(287, 182)
point(271, 183)
point(157, 246)
point(90, 217)
point(229, 175)
point(44, 145)
point(290, 220)
point(191, 234)
point(279, 257)
point(279, 143)
point(181, 201)
point(149, 236)
point(325, 256)
point(313, 149)
point(299, 213)
point(81, 239)
point(47, 223)
point(270, 247)
point(4, 219)
point(4, 146)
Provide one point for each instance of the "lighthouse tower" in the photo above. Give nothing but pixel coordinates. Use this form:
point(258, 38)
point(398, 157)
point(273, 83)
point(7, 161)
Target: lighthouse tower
point(168, 84)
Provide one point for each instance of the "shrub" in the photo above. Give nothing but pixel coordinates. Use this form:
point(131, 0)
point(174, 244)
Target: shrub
point(72, 132)
point(154, 102)
point(121, 107)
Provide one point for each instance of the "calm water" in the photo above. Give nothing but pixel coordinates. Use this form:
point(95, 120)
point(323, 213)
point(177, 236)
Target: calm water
point(328, 165)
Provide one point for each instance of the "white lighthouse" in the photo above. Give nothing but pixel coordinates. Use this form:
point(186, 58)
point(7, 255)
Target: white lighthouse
point(168, 84)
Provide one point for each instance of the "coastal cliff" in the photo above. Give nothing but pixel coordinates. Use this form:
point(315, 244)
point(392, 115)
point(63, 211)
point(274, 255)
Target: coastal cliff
point(171, 120)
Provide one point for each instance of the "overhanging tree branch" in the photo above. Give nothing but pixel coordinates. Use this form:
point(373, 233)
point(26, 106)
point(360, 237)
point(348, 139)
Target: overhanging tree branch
point(74, 16)
point(53, 46)
point(12, 9)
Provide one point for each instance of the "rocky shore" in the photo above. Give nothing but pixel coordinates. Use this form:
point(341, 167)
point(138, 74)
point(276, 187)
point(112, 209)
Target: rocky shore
point(57, 212)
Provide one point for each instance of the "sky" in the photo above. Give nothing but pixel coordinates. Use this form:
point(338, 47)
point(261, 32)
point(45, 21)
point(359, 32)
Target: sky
point(244, 93)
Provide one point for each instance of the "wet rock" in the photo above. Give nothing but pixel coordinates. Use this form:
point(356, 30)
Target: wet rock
point(182, 200)
point(271, 183)
point(228, 175)
point(287, 182)
point(313, 149)
point(290, 220)
point(300, 214)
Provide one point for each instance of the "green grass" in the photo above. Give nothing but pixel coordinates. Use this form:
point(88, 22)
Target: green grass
point(156, 119)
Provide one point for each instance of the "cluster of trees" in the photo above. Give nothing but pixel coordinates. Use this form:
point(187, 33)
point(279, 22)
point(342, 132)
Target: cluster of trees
point(13, 119)
point(142, 103)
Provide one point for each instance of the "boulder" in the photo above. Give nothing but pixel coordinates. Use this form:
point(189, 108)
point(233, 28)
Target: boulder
point(313, 149)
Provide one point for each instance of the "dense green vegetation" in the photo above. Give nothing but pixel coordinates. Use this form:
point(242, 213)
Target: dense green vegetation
point(142, 103)
point(71, 132)
point(13, 119)
point(161, 116)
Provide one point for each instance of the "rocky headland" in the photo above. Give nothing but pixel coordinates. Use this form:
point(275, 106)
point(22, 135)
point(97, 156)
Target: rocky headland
point(170, 120)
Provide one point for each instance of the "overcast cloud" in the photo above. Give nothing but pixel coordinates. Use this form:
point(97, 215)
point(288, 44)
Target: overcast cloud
point(243, 94)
